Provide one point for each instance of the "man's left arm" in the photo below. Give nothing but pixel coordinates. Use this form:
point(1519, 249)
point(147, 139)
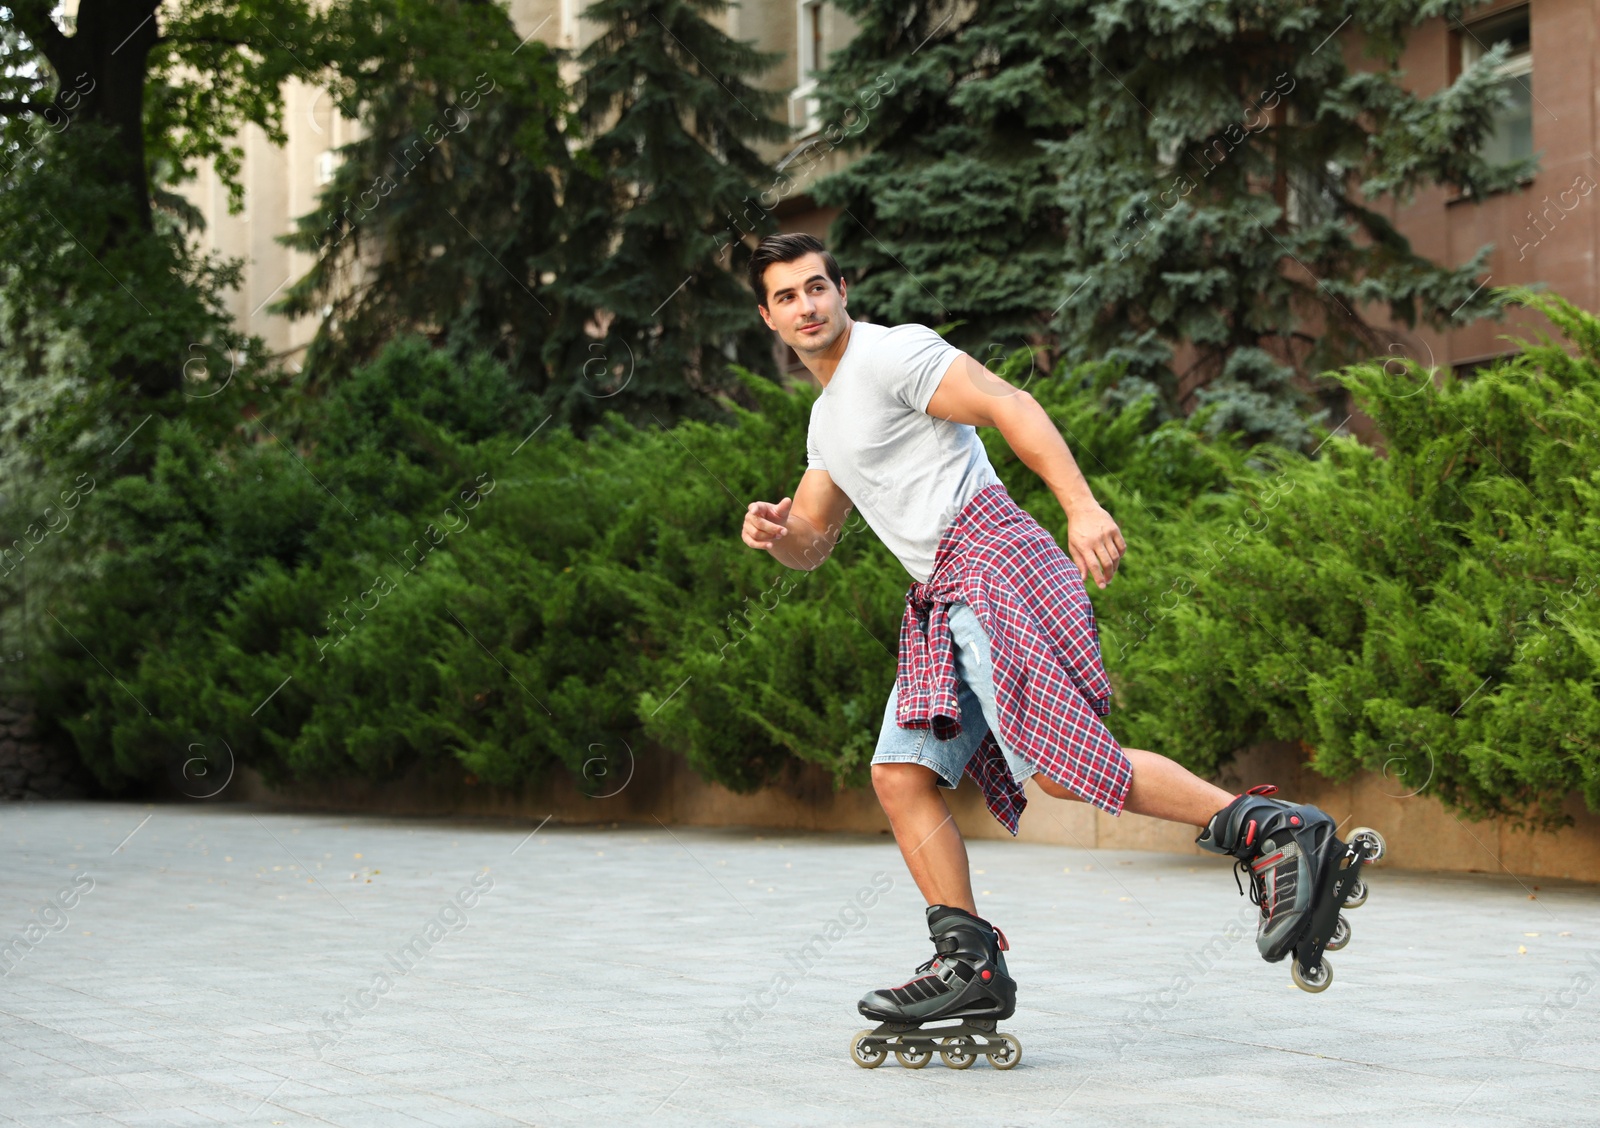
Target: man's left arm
point(969, 393)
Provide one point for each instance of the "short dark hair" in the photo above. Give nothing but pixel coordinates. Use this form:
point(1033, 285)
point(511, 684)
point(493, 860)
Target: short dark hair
point(787, 248)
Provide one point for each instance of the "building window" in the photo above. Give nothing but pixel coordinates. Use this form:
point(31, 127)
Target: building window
point(327, 161)
point(1314, 198)
point(811, 52)
point(1512, 138)
point(1467, 369)
point(803, 103)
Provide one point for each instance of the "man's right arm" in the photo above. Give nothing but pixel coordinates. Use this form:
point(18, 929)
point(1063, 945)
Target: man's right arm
point(800, 532)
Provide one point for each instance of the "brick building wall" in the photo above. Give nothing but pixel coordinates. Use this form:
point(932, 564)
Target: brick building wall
point(1546, 233)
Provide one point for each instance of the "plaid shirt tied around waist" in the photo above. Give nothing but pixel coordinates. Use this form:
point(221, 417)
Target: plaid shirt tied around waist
point(1050, 688)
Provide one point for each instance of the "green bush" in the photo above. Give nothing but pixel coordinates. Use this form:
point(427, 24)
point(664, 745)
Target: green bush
point(421, 581)
point(761, 666)
point(352, 606)
point(1426, 613)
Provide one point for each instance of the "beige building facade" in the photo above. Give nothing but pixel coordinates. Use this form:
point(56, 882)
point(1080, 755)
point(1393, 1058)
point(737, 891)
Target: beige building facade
point(283, 182)
point(1547, 233)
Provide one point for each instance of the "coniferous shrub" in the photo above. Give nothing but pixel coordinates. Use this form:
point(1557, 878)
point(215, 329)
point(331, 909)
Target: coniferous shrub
point(409, 585)
point(1427, 613)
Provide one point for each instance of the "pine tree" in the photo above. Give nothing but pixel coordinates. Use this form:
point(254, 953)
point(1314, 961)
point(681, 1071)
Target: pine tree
point(952, 214)
point(653, 306)
point(1187, 189)
point(441, 217)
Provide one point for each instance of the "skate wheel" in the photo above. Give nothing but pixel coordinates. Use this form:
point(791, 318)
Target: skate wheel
point(1315, 980)
point(1008, 1055)
point(1341, 934)
point(867, 1057)
point(957, 1051)
point(1370, 842)
point(914, 1057)
point(1358, 895)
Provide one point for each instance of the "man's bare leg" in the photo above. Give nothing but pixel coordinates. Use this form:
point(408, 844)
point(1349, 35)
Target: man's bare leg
point(967, 978)
point(1161, 788)
point(936, 854)
point(926, 832)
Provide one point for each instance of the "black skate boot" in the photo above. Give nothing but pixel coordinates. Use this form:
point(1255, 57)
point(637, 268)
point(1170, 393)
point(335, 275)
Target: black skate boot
point(966, 980)
point(1301, 875)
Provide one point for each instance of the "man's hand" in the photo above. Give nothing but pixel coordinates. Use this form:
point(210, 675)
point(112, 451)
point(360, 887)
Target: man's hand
point(969, 393)
point(1094, 542)
point(800, 531)
point(765, 523)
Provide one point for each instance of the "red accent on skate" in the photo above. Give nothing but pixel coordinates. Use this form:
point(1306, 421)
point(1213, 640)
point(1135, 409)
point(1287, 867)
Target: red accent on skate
point(1250, 835)
point(1271, 906)
point(1263, 789)
point(1294, 820)
point(987, 974)
point(1004, 947)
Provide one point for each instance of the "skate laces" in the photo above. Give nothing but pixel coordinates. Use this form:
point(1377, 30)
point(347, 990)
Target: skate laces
point(1258, 884)
point(1275, 871)
point(1258, 889)
point(1257, 892)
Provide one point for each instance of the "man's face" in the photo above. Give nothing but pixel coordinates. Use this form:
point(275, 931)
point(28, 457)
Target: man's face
point(803, 304)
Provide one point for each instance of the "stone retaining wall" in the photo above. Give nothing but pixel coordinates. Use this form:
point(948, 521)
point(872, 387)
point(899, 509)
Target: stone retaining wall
point(31, 770)
point(1421, 834)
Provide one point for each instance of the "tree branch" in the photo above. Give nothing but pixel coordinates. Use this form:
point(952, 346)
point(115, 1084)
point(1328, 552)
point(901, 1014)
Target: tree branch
point(33, 17)
point(11, 107)
point(217, 39)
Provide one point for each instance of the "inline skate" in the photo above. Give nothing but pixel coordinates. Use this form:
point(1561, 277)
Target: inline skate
point(1301, 875)
point(966, 980)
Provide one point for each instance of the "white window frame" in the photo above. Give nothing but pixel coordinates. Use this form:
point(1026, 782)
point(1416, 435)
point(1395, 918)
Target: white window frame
point(1519, 65)
point(327, 165)
point(1472, 48)
point(804, 106)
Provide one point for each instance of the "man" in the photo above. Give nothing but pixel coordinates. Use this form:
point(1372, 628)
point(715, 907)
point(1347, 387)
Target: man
point(999, 669)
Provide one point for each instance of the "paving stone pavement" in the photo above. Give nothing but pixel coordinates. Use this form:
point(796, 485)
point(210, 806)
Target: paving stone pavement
point(216, 964)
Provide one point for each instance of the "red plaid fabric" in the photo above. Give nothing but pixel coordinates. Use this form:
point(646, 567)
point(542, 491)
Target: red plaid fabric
point(1050, 688)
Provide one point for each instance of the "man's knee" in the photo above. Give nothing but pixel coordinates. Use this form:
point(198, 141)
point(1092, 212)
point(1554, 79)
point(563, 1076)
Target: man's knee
point(897, 784)
point(1053, 789)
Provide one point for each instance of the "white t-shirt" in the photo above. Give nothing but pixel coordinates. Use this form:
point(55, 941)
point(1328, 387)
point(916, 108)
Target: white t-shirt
point(909, 473)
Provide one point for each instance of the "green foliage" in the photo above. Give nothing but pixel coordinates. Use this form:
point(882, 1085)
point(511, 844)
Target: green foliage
point(225, 555)
point(1428, 613)
point(411, 585)
point(219, 64)
point(577, 245)
point(950, 205)
point(1107, 180)
point(398, 579)
point(100, 323)
point(651, 296)
point(443, 216)
point(110, 312)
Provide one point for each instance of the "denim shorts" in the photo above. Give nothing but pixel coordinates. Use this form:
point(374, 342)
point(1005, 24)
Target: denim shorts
point(975, 694)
